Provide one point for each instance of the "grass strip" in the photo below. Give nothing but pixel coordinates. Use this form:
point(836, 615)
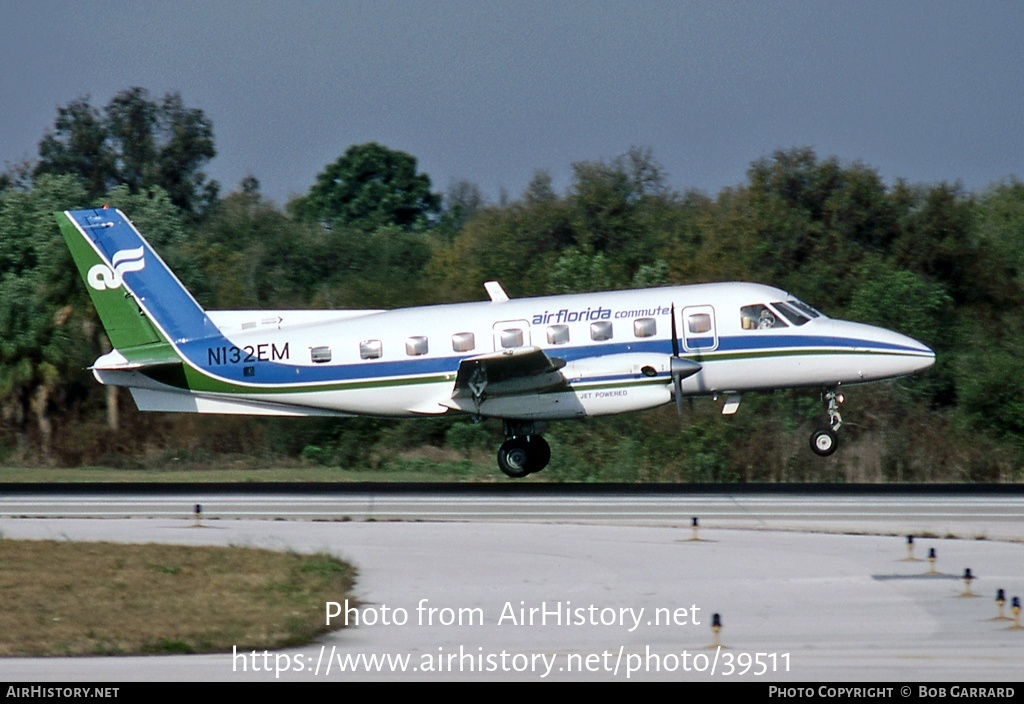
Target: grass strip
point(68, 598)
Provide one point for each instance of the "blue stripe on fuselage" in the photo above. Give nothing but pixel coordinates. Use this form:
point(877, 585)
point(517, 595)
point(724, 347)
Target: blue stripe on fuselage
point(277, 373)
point(744, 343)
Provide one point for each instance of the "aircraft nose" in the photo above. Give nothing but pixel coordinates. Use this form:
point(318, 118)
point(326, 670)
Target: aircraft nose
point(886, 353)
point(924, 354)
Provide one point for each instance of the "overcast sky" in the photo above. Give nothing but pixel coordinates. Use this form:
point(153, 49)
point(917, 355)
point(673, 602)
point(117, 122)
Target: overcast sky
point(491, 92)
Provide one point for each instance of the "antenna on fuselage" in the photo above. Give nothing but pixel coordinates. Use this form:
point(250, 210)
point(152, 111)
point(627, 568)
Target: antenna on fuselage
point(496, 292)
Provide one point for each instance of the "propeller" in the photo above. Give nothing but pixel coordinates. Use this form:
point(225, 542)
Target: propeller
point(680, 368)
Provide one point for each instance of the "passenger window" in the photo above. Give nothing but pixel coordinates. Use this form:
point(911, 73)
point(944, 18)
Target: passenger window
point(601, 331)
point(463, 342)
point(759, 317)
point(645, 327)
point(416, 346)
point(512, 337)
point(320, 355)
point(558, 334)
point(370, 349)
point(699, 323)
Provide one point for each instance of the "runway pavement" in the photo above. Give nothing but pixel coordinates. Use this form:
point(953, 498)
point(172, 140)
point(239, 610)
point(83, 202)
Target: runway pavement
point(801, 599)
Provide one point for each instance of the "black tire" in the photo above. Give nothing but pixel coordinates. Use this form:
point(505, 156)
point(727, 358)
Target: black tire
point(824, 442)
point(540, 453)
point(514, 458)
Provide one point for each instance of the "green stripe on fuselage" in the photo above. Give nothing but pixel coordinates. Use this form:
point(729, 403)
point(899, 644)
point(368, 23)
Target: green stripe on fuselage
point(187, 377)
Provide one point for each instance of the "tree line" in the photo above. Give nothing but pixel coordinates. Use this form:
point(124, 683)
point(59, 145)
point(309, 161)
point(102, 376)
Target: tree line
point(934, 261)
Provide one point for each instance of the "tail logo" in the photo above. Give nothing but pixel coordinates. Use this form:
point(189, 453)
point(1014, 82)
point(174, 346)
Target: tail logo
point(103, 277)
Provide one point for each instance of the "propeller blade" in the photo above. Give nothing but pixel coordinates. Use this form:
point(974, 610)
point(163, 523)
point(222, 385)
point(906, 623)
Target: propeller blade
point(675, 335)
point(681, 369)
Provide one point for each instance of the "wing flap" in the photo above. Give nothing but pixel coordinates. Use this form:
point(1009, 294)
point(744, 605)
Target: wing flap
point(521, 370)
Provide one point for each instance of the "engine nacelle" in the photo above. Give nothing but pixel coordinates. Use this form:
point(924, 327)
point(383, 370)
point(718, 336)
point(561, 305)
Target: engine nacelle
point(635, 364)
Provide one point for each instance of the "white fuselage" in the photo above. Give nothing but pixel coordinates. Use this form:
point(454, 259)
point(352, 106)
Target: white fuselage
point(617, 347)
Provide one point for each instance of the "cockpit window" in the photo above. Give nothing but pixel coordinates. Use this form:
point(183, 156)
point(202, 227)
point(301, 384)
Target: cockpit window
point(759, 317)
point(805, 309)
point(791, 314)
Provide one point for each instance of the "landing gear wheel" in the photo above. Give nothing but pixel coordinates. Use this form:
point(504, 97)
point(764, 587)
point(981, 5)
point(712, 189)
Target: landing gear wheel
point(824, 442)
point(514, 458)
point(521, 456)
point(540, 453)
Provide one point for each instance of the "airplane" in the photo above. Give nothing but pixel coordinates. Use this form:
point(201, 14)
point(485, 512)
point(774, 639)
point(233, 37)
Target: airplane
point(525, 361)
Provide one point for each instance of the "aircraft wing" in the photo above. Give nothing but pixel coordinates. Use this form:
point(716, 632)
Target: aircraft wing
point(515, 371)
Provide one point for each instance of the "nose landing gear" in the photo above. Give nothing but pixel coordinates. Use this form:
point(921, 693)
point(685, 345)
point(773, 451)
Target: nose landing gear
point(824, 441)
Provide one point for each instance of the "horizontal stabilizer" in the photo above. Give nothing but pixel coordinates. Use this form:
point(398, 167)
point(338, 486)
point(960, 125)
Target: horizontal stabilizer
point(138, 357)
point(182, 402)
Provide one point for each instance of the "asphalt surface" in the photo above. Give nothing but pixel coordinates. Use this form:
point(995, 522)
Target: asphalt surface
point(810, 593)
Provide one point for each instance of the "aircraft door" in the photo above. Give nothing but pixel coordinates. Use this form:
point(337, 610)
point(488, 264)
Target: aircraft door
point(700, 333)
point(509, 334)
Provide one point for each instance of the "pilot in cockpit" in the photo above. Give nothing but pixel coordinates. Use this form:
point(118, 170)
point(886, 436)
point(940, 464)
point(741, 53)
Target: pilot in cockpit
point(759, 317)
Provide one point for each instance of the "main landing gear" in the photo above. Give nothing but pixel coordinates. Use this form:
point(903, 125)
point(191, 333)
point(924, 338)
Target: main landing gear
point(525, 451)
point(824, 440)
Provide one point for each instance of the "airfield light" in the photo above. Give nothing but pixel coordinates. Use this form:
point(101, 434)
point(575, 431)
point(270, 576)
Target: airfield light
point(910, 547)
point(716, 626)
point(968, 578)
point(198, 513)
point(1015, 608)
point(1001, 602)
point(693, 528)
point(931, 561)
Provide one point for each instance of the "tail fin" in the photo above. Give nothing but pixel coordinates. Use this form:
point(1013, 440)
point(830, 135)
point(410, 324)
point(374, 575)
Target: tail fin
point(139, 300)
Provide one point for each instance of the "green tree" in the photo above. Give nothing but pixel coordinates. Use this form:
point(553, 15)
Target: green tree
point(990, 390)
point(1000, 232)
point(938, 237)
point(368, 187)
point(515, 244)
point(77, 145)
point(907, 302)
point(462, 200)
point(135, 141)
point(45, 332)
point(575, 272)
point(252, 256)
point(608, 201)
